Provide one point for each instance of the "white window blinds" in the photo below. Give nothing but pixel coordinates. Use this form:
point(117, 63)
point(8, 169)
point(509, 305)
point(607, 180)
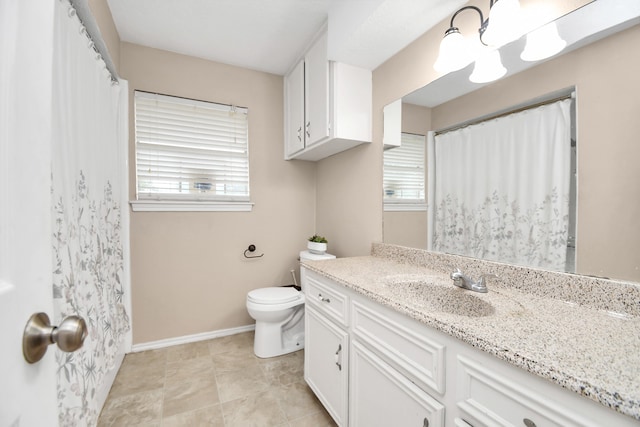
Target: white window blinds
point(404, 172)
point(190, 150)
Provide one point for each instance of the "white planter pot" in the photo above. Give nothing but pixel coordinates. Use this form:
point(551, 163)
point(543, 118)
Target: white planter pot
point(317, 248)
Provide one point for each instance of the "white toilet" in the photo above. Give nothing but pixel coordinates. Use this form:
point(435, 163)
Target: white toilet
point(279, 316)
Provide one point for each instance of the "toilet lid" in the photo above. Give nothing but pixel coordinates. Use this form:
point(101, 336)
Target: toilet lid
point(275, 295)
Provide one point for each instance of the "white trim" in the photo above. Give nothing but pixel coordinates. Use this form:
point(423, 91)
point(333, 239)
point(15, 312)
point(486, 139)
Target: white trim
point(194, 206)
point(431, 186)
point(399, 207)
point(125, 218)
point(186, 339)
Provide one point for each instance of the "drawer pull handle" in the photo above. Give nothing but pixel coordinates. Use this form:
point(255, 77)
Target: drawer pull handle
point(323, 299)
point(338, 361)
point(425, 423)
point(527, 422)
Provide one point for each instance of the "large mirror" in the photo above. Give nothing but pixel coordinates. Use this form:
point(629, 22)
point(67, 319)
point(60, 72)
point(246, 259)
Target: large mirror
point(601, 65)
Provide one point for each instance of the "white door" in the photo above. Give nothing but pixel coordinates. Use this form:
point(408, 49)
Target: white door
point(27, 391)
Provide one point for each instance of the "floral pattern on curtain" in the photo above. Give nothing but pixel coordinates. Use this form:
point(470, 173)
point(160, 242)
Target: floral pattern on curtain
point(87, 191)
point(501, 188)
point(88, 262)
point(501, 229)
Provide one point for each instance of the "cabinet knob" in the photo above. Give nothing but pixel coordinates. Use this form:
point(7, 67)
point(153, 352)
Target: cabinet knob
point(425, 423)
point(300, 134)
point(527, 422)
point(307, 130)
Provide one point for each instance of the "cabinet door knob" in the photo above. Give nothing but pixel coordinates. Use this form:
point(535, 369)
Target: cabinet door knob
point(307, 131)
point(300, 134)
point(527, 422)
point(323, 299)
point(425, 423)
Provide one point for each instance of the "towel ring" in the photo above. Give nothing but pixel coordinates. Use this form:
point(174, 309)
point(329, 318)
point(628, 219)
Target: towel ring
point(252, 248)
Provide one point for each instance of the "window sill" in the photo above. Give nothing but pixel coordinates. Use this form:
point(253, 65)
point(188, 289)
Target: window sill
point(189, 206)
point(405, 207)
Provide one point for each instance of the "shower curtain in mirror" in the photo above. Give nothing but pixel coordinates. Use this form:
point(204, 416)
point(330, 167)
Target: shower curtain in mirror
point(499, 190)
point(89, 117)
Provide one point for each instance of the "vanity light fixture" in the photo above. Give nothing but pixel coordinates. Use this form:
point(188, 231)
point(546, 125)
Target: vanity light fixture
point(503, 26)
point(456, 52)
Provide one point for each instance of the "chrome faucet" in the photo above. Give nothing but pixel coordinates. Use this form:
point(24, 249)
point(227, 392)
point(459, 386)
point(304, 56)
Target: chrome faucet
point(465, 282)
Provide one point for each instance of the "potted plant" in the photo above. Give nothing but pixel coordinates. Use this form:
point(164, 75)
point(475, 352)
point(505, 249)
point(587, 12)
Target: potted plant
point(317, 244)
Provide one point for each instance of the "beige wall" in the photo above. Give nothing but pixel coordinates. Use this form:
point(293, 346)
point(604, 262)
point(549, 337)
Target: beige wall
point(416, 119)
point(188, 271)
point(100, 10)
point(407, 228)
point(605, 75)
point(349, 201)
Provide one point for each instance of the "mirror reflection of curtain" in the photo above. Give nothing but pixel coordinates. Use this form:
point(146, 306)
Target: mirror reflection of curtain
point(87, 190)
point(499, 190)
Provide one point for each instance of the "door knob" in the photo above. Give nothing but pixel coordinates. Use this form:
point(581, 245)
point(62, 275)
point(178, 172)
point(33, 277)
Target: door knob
point(38, 334)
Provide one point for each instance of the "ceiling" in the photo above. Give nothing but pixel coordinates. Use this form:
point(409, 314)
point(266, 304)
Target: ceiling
point(269, 35)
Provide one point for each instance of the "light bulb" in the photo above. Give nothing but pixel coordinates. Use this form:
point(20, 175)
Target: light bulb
point(454, 52)
point(488, 67)
point(504, 23)
point(543, 43)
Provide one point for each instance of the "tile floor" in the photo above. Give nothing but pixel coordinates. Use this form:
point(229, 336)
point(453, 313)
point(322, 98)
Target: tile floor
point(218, 382)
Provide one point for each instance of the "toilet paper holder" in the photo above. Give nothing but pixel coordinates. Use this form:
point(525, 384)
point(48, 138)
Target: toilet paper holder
point(252, 248)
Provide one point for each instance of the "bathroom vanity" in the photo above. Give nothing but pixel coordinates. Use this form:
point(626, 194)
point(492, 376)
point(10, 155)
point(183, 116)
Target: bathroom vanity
point(391, 341)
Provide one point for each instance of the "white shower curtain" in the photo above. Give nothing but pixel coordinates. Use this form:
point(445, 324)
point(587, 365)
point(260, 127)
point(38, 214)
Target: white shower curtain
point(89, 117)
point(499, 190)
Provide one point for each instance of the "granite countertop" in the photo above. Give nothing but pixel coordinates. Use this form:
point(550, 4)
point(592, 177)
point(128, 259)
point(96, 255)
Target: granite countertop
point(591, 351)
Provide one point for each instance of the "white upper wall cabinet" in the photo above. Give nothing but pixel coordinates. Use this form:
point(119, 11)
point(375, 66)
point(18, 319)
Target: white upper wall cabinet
point(327, 105)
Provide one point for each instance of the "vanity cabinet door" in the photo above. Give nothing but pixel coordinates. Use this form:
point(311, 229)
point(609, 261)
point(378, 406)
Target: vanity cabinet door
point(326, 358)
point(381, 396)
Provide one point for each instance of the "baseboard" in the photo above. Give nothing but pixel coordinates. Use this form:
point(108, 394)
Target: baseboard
point(153, 345)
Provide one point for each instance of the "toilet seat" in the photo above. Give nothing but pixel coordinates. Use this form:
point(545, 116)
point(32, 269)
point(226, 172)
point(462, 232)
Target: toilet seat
point(274, 295)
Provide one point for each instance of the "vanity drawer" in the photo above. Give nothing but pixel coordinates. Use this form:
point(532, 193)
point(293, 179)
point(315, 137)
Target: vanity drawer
point(399, 341)
point(327, 297)
point(487, 398)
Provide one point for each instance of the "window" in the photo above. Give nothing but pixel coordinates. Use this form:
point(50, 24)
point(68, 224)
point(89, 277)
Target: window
point(190, 155)
point(404, 174)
